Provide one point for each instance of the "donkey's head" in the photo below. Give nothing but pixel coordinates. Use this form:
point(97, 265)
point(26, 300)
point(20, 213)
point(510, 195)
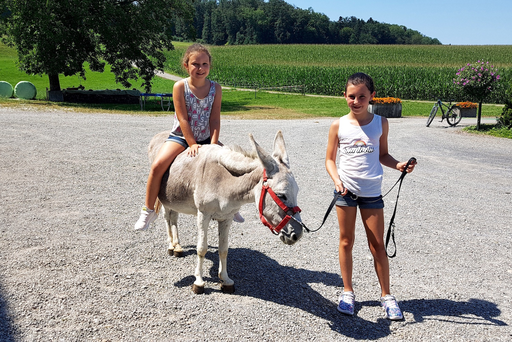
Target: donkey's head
point(276, 194)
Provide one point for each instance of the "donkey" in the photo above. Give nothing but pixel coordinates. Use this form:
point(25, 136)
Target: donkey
point(215, 184)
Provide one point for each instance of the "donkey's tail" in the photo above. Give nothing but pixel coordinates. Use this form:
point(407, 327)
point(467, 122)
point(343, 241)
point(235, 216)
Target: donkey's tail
point(158, 205)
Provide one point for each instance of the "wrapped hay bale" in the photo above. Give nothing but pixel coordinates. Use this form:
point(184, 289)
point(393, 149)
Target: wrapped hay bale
point(6, 89)
point(25, 90)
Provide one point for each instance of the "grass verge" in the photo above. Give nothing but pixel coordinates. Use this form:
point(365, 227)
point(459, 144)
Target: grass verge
point(490, 130)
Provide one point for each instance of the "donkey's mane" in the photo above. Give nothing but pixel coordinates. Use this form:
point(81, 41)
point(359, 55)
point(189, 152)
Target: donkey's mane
point(237, 160)
point(239, 149)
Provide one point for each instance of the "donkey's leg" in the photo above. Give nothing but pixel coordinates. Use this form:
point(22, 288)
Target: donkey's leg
point(202, 247)
point(171, 222)
point(228, 285)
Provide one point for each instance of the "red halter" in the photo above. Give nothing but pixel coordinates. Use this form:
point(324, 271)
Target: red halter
point(264, 189)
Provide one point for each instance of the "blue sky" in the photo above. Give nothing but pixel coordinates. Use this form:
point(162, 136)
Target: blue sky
point(455, 22)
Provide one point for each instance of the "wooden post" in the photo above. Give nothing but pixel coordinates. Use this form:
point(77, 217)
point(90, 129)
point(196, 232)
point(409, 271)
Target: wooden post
point(479, 115)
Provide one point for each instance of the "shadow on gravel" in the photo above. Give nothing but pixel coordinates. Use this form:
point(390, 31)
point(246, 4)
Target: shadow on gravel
point(256, 275)
point(474, 311)
point(6, 329)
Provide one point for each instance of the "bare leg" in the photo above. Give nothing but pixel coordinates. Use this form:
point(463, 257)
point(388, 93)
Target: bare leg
point(347, 223)
point(168, 152)
point(373, 220)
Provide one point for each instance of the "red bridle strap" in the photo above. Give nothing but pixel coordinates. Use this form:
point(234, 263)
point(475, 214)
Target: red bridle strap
point(264, 189)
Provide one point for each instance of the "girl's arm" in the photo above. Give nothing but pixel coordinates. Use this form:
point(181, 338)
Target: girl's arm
point(330, 156)
point(182, 115)
point(385, 158)
point(215, 115)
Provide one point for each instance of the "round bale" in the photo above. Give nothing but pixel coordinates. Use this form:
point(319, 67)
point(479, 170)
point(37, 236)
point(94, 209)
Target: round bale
point(6, 89)
point(25, 90)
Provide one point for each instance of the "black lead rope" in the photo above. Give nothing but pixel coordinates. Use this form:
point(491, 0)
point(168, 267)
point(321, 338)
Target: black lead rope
point(391, 228)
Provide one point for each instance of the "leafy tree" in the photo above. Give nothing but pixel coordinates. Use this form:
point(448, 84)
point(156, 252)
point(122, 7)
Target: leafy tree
point(477, 80)
point(277, 22)
point(55, 37)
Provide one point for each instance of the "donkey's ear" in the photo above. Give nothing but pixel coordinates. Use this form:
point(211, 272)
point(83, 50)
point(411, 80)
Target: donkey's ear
point(266, 159)
point(280, 149)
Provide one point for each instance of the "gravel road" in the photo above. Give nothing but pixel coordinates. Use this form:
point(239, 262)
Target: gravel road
point(73, 269)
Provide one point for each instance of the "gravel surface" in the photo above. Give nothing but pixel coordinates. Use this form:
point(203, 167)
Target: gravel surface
point(73, 269)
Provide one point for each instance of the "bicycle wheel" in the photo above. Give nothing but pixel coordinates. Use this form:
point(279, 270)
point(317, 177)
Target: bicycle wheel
point(432, 115)
point(453, 116)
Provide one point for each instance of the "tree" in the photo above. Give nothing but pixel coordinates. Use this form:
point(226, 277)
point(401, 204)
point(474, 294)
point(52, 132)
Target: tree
point(55, 37)
point(477, 80)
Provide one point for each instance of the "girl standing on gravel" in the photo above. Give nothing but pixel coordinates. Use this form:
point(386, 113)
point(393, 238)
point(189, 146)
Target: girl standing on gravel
point(197, 102)
point(362, 141)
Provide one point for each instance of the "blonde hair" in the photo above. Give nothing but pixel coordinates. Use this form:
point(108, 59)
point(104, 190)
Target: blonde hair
point(193, 49)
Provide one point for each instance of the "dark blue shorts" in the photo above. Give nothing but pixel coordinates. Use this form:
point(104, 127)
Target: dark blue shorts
point(183, 142)
point(351, 200)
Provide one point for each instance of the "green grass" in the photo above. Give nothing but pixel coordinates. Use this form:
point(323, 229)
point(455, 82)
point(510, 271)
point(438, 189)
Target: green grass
point(10, 72)
point(490, 130)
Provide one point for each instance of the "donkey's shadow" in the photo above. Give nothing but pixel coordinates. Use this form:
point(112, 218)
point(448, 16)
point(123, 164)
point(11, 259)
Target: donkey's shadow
point(290, 286)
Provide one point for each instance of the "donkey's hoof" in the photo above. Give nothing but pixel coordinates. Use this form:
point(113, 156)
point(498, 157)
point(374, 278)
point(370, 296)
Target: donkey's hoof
point(178, 254)
point(197, 289)
point(227, 288)
point(170, 252)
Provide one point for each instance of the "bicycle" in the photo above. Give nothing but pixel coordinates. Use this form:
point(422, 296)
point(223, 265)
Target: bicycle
point(452, 116)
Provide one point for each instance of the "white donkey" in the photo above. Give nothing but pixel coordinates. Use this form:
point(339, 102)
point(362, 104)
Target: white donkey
point(216, 183)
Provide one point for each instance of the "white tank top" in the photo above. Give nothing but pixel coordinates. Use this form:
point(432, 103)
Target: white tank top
point(359, 167)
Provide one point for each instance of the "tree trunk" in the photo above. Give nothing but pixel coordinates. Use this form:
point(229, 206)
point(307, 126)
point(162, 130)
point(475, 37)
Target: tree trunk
point(479, 115)
point(54, 82)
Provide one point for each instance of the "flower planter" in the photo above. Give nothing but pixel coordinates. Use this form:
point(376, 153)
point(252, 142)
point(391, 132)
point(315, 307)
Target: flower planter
point(388, 110)
point(466, 112)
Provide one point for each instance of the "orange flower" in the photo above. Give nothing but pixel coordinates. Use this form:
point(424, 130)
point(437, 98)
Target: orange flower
point(466, 104)
point(386, 100)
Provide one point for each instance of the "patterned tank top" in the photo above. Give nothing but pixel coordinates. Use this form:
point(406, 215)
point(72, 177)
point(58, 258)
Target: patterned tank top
point(198, 111)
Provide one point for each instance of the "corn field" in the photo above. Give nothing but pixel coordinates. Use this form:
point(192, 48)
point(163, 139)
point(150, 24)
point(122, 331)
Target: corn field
point(406, 72)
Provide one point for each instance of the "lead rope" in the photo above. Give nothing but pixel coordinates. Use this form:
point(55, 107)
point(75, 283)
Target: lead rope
point(391, 228)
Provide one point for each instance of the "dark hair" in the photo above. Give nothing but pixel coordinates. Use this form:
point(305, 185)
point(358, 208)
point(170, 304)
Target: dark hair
point(195, 48)
point(361, 78)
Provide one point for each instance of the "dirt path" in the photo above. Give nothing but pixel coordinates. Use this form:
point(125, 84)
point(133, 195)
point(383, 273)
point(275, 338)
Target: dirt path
point(73, 269)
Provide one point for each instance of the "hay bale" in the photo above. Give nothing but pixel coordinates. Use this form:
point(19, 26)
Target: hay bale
point(6, 89)
point(25, 90)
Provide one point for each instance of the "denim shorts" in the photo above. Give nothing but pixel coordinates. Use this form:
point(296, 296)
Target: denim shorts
point(351, 200)
point(183, 142)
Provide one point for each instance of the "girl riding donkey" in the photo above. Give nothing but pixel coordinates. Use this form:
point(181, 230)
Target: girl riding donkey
point(197, 101)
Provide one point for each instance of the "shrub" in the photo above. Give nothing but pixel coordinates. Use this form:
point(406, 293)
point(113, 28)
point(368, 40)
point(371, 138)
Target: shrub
point(505, 120)
point(477, 80)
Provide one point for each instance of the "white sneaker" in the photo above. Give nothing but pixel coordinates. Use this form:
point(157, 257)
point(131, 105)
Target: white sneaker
point(147, 217)
point(391, 308)
point(238, 218)
point(347, 303)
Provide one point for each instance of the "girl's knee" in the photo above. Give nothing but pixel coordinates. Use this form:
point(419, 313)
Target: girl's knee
point(158, 168)
point(346, 243)
point(378, 249)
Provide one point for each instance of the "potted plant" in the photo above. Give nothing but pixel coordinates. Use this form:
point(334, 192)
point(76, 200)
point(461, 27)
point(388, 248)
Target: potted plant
point(467, 109)
point(477, 80)
point(389, 107)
